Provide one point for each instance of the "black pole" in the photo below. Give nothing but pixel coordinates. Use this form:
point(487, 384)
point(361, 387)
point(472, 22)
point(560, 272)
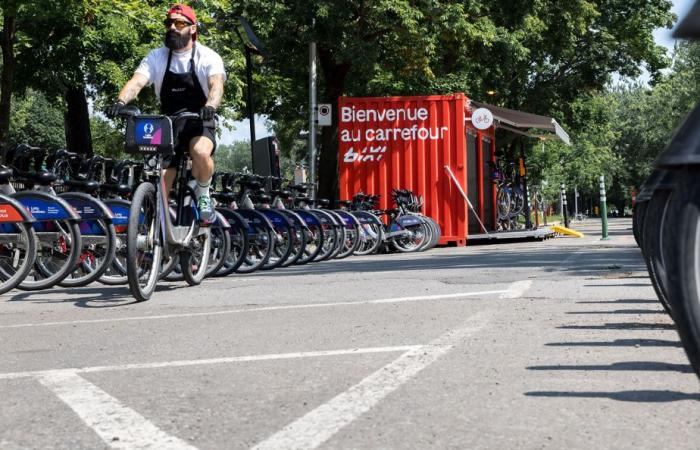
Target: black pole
point(249, 82)
point(523, 179)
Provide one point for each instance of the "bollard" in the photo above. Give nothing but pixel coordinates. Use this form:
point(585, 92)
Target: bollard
point(603, 208)
point(563, 205)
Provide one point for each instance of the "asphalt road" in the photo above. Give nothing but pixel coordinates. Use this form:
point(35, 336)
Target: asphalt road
point(554, 344)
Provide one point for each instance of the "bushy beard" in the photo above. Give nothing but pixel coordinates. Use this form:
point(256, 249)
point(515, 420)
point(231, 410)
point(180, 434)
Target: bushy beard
point(175, 40)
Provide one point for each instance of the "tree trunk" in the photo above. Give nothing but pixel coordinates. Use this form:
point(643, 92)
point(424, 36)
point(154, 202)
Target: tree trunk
point(334, 77)
point(8, 66)
point(77, 121)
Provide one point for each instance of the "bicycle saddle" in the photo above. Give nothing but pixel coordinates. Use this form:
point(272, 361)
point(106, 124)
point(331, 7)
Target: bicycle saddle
point(346, 203)
point(5, 174)
point(260, 198)
point(226, 197)
point(322, 202)
point(90, 185)
point(282, 194)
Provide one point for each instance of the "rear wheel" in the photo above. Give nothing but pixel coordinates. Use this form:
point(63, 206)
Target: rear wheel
point(144, 242)
point(220, 248)
point(194, 260)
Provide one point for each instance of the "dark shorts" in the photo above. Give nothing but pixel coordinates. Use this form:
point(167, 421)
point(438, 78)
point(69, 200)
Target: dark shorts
point(187, 131)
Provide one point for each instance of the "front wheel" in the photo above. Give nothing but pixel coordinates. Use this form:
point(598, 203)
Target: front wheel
point(144, 243)
point(17, 254)
point(194, 260)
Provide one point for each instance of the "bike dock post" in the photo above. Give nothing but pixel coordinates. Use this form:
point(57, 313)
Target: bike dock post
point(603, 208)
point(563, 205)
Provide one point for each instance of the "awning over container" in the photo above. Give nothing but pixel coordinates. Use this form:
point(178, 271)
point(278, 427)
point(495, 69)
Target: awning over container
point(524, 123)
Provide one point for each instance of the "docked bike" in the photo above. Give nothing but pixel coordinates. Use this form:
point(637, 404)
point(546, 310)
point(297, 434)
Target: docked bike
point(153, 237)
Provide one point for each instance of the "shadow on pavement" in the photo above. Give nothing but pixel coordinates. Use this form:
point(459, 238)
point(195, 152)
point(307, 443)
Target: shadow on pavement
point(636, 366)
point(90, 297)
point(621, 326)
point(620, 311)
point(620, 343)
point(592, 262)
point(612, 302)
point(623, 396)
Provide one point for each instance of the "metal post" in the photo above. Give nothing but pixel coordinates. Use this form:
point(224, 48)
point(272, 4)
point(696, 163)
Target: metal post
point(563, 205)
point(251, 111)
point(575, 202)
point(523, 179)
point(312, 118)
point(603, 208)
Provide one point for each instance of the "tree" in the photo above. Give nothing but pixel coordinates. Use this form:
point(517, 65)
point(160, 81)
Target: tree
point(36, 121)
point(539, 55)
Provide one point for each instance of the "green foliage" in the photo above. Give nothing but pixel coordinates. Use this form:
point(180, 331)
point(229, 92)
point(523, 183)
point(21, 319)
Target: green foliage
point(107, 140)
point(36, 121)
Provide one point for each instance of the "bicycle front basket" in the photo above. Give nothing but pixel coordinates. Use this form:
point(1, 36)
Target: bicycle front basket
point(149, 135)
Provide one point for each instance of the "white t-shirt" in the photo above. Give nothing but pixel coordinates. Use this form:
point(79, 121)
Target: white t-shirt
point(206, 63)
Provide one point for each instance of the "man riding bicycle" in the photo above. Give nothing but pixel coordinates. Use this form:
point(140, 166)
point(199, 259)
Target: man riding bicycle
point(187, 76)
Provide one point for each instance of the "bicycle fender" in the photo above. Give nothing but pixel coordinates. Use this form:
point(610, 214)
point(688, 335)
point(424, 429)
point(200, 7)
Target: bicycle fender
point(233, 218)
point(308, 218)
point(349, 220)
point(87, 206)
point(296, 218)
point(409, 220)
point(277, 219)
point(220, 221)
point(254, 217)
point(325, 217)
point(120, 210)
point(46, 207)
point(365, 217)
point(12, 211)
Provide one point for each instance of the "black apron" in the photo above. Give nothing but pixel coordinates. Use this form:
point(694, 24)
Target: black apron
point(181, 91)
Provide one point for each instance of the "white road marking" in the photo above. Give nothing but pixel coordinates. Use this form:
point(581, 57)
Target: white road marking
point(319, 425)
point(517, 289)
point(265, 308)
point(199, 362)
point(118, 426)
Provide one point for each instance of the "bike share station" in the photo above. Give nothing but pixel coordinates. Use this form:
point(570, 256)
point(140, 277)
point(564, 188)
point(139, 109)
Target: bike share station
point(440, 147)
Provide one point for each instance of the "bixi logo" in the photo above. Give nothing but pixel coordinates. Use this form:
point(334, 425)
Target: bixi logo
point(369, 153)
point(148, 131)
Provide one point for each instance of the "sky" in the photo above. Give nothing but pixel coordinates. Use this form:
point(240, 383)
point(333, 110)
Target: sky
point(242, 130)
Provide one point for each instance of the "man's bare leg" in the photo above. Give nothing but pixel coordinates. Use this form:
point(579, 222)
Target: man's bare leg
point(202, 169)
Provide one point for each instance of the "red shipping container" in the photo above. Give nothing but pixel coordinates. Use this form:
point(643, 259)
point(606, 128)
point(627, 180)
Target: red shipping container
point(388, 143)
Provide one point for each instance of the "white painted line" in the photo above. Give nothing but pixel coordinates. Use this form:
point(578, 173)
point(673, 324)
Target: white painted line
point(319, 425)
point(517, 289)
point(199, 362)
point(118, 426)
point(265, 308)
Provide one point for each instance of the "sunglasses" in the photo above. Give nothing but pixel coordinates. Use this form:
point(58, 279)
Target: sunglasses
point(179, 23)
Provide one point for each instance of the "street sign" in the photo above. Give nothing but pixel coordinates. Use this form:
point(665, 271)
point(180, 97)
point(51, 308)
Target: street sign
point(324, 115)
point(482, 119)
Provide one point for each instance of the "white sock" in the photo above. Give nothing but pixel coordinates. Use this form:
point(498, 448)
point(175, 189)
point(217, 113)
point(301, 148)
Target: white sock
point(202, 189)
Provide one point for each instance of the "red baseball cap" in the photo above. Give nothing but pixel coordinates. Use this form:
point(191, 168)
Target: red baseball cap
point(186, 11)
